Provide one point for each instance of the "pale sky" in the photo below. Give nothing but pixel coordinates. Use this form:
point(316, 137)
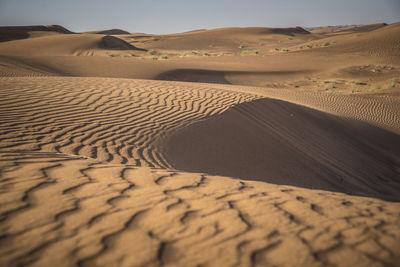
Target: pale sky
point(171, 16)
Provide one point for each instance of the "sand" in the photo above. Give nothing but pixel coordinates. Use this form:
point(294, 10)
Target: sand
point(275, 158)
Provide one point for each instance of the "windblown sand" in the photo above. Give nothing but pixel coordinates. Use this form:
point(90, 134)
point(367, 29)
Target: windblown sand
point(124, 171)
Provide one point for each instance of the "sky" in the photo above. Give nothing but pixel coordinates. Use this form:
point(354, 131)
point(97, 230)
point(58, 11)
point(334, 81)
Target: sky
point(172, 16)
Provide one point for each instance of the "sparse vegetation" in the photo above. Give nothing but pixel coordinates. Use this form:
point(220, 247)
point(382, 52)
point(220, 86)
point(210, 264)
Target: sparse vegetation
point(184, 54)
point(394, 83)
point(154, 58)
point(241, 46)
point(309, 45)
point(250, 52)
point(206, 54)
point(359, 83)
point(163, 57)
point(355, 90)
point(151, 52)
point(285, 50)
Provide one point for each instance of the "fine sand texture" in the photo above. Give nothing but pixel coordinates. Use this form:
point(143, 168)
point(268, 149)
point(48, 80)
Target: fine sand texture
point(225, 147)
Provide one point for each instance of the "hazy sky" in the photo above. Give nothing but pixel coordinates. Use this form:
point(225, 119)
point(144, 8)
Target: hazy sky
point(170, 16)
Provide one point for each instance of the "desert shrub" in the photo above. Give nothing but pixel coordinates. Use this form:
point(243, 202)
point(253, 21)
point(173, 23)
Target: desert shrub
point(326, 43)
point(285, 50)
point(247, 52)
point(184, 54)
point(309, 45)
point(154, 58)
point(393, 84)
point(206, 54)
point(241, 46)
point(151, 52)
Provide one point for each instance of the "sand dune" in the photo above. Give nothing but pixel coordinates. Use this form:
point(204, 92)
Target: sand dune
point(65, 210)
point(113, 120)
point(22, 32)
point(111, 32)
point(244, 147)
point(63, 45)
point(282, 143)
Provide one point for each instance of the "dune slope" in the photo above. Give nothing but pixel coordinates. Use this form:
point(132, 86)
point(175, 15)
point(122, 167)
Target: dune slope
point(64, 210)
point(283, 143)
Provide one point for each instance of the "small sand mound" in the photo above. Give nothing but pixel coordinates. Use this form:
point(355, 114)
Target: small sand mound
point(111, 42)
point(289, 31)
point(112, 32)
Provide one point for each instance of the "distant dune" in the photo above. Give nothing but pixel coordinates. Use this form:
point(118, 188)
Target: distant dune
point(22, 32)
point(111, 42)
point(111, 32)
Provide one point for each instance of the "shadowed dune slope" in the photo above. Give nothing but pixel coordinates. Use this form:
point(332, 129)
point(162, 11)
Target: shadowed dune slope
point(283, 143)
point(254, 78)
point(111, 42)
point(63, 210)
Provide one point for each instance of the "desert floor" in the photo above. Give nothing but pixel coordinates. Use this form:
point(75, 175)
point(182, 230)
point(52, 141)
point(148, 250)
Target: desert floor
point(225, 147)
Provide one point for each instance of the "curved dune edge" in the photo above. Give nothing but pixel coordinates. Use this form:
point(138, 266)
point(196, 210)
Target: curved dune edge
point(283, 143)
point(66, 210)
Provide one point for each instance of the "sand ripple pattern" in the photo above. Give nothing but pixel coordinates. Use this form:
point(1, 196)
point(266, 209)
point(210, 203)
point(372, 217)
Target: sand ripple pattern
point(113, 120)
point(60, 210)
